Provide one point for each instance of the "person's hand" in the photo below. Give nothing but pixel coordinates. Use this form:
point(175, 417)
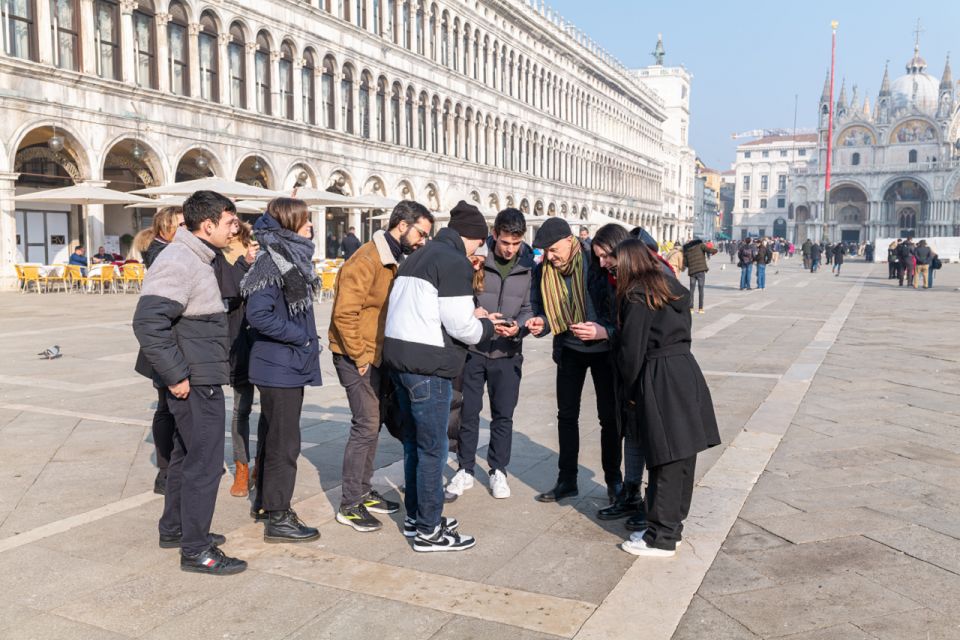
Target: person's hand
point(363, 370)
point(507, 331)
point(534, 326)
point(181, 390)
point(252, 250)
point(588, 331)
point(480, 312)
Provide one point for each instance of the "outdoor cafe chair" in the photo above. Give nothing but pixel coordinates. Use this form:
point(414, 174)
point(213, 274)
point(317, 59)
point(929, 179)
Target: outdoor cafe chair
point(132, 275)
point(75, 279)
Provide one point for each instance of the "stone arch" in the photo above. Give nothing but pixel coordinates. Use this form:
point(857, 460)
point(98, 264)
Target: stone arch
point(404, 190)
point(340, 182)
point(374, 185)
point(432, 192)
point(299, 174)
point(130, 155)
point(32, 139)
point(254, 169)
point(197, 162)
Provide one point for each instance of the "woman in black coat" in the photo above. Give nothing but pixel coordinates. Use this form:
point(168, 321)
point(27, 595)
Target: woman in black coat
point(666, 400)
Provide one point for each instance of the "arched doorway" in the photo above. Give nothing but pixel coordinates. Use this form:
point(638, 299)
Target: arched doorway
point(905, 205)
point(196, 164)
point(848, 213)
point(780, 228)
point(255, 172)
point(129, 166)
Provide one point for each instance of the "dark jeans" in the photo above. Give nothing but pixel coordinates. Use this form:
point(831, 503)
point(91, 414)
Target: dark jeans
point(502, 376)
point(814, 264)
point(697, 280)
point(669, 490)
point(425, 410)
point(363, 395)
point(278, 446)
point(196, 465)
point(907, 270)
point(240, 423)
point(571, 374)
point(163, 427)
point(745, 272)
point(892, 270)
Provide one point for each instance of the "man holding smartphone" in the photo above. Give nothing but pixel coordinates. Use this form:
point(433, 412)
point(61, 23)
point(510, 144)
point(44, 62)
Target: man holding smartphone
point(507, 272)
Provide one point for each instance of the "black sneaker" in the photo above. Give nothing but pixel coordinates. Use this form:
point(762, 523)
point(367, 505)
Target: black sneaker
point(442, 540)
point(286, 526)
point(173, 541)
point(212, 561)
point(374, 502)
point(410, 525)
point(160, 483)
point(358, 517)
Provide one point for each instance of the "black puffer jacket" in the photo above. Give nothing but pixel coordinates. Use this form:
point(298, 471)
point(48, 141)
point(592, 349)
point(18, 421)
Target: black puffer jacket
point(179, 321)
point(511, 297)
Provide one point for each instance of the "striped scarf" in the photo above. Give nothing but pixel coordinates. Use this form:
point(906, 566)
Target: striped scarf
point(564, 308)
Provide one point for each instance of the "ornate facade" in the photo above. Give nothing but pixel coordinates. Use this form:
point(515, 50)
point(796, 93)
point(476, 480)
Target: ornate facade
point(503, 101)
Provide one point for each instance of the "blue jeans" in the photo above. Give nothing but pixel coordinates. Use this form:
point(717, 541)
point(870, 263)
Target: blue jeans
point(425, 410)
point(814, 264)
point(761, 276)
point(745, 272)
point(930, 277)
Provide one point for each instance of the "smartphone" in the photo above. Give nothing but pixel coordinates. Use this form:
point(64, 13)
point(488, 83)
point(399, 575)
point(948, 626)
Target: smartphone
point(508, 322)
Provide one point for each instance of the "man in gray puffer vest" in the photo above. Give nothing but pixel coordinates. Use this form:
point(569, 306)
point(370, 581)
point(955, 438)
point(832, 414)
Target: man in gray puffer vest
point(508, 271)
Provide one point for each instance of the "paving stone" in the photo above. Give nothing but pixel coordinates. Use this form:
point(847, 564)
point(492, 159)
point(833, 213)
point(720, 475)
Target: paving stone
point(824, 525)
point(703, 620)
point(729, 574)
point(46, 626)
point(924, 544)
point(845, 631)
point(388, 620)
point(463, 628)
point(919, 625)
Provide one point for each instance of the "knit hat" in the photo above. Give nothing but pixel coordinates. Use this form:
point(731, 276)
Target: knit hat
point(551, 232)
point(467, 220)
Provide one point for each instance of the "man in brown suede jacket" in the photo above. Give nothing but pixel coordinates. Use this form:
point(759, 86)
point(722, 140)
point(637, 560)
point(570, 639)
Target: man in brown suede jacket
point(356, 341)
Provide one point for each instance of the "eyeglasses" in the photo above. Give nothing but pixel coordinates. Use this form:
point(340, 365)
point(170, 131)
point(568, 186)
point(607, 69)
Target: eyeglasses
point(424, 235)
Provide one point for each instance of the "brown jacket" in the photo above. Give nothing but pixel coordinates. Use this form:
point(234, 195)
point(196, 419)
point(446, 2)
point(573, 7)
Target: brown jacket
point(360, 302)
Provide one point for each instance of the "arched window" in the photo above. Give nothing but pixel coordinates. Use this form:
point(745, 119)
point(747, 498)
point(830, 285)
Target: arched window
point(408, 118)
point(912, 156)
point(179, 51)
point(209, 61)
point(855, 159)
point(419, 28)
point(308, 89)
point(405, 23)
point(238, 67)
point(391, 21)
point(377, 17)
point(433, 33)
point(107, 37)
point(444, 41)
point(20, 29)
point(395, 98)
point(66, 34)
point(382, 110)
point(326, 87)
point(145, 44)
point(456, 45)
point(261, 65)
point(346, 98)
point(364, 106)
point(285, 70)
point(435, 125)
point(422, 122)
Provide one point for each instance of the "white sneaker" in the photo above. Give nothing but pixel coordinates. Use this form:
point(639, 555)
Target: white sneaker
point(498, 485)
point(637, 536)
point(460, 483)
point(642, 549)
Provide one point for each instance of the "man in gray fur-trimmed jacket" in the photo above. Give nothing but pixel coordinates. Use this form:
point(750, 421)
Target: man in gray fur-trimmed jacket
point(181, 326)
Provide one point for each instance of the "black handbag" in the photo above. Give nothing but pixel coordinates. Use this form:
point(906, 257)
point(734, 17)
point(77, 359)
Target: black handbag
point(935, 263)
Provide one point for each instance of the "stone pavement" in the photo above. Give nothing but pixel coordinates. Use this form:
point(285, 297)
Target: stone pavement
point(828, 513)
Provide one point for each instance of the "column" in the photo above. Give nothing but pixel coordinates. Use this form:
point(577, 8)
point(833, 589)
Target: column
point(44, 40)
point(276, 109)
point(369, 26)
point(94, 220)
point(297, 70)
point(193, 51)
point(355, 100)
point(8, 231)
point(319, 220)
point(88, 52)
point(250, 74)
point(223, 67)
point(127, 52)
point(163, 52)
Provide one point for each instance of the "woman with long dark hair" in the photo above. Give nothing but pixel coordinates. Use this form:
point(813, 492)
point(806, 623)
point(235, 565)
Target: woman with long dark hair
point(284, 358)
point(665, 399)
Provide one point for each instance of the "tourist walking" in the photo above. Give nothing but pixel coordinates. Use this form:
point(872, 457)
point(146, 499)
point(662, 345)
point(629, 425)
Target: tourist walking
point(181, 327)
point(838, 250)
point(284, 358)
point(507, 272)
point(805, 250)
point(762, 259)
point(935, 265)
point(924, 256)
point(696, 255)
point(666, 400)
point(430, 317)
point(572, 301)
point(747, 255)
point(815, 252)
point(350, 243)
point(356, 341)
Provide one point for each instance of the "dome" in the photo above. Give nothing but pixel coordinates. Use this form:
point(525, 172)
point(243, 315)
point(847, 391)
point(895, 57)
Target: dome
point(926, 87)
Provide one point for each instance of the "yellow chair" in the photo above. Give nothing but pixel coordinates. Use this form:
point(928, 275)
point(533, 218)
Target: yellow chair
point(132, 274)
point(328, 282)
point(31, 273)
point(53, 278)
point(19, 271)
point(74, 278)
point(104, 277)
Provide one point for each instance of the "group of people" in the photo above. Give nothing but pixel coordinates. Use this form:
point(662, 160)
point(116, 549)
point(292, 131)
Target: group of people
point(415, 321)
point(915, 262)
point(755, 253)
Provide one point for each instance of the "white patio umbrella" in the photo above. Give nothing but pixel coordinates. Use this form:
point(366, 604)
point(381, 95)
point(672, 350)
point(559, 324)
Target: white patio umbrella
point(373, 201)
point(243, 206)
point(82, 194)
point(600, 219)
point(228, 188)
point(321, 198)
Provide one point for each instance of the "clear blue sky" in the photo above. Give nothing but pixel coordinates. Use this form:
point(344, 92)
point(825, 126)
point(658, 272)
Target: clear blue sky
point(749, 58)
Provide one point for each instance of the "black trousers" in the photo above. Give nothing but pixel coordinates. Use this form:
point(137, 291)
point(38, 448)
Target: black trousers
point(892, 270)
point(502, 377)
point(571, 375)
point(162, 428)
point(278, 446)
point(669, 490)
point(697, 280)
point(196, 465)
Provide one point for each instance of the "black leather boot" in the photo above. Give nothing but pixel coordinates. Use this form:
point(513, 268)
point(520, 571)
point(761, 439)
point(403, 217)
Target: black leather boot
point(627, 503)
point(563, 489)
point(285, 526)
point(637, 522)
point(613, 490)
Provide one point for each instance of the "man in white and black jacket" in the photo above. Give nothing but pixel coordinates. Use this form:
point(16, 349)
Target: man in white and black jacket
point(181, 326)
point(431, 318)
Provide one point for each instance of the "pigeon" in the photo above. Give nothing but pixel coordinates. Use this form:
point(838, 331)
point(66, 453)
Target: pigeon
point(51, 353)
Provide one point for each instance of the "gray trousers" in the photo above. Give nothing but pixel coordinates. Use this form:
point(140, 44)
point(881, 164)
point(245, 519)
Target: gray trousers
point(363, 395)
point(696, 281)
point(240, 423)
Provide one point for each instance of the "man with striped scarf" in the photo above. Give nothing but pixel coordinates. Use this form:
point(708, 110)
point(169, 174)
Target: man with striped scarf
point(576, 305)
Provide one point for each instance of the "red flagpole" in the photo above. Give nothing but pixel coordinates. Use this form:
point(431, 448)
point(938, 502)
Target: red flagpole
point(826, 186)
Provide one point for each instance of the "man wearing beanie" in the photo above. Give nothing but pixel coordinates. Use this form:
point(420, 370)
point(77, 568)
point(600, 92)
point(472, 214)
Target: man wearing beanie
point(431, 319)
point(576, 305)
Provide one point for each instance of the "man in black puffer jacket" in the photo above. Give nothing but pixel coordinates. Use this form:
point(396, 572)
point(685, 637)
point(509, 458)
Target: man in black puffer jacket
point(182, 330)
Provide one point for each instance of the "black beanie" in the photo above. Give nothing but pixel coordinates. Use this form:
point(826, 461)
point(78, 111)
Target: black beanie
point(550, 232)
point(467, 220)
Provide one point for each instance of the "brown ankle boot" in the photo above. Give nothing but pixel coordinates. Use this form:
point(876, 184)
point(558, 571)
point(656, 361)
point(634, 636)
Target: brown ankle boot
point(240, 481)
